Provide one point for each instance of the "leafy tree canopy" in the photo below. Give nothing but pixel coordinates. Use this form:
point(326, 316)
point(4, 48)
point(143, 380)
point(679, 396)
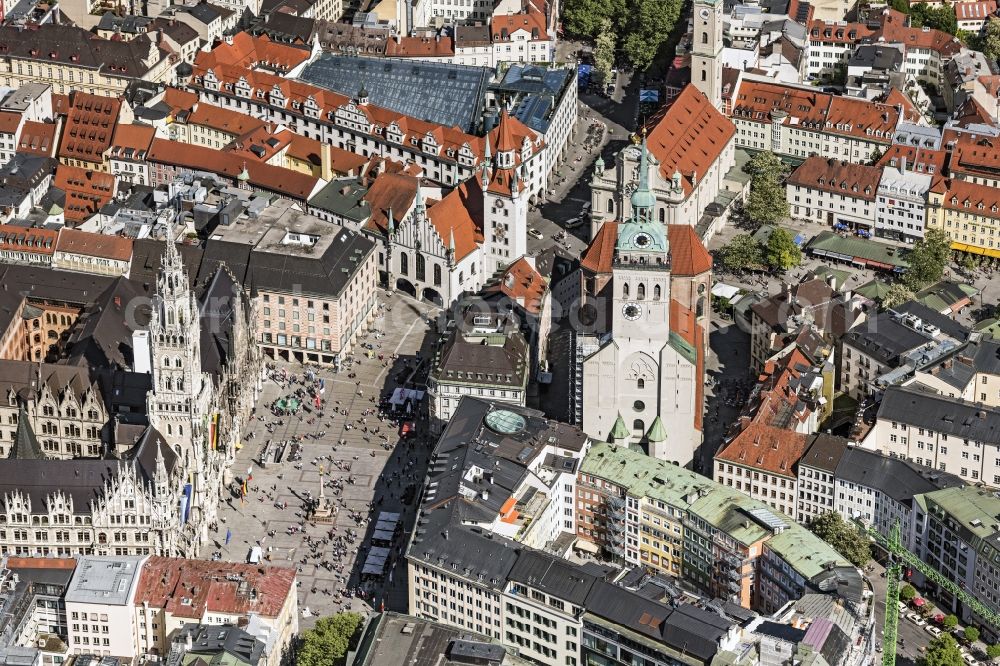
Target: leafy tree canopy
point(907, 593)
point(847, 539)
point(766, 202)
point(943, 651)
point(950, 621)
point(329, 641)
point(971, 634)
point(742, 252)
point(782, 252)
point(897, 294)
point(636, 29)
point(927, 259)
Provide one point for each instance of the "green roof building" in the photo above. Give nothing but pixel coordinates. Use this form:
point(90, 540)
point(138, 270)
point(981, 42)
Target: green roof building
point(726, 543)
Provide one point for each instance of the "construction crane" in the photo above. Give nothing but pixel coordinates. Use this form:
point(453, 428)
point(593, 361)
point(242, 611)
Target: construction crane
point(898, 557)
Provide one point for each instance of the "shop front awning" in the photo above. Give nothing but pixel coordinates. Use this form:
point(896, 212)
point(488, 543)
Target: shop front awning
point(975, 249)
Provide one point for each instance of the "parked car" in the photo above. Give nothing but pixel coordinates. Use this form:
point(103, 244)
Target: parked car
point(932, 630)
point(535, 233)
point(969, 659)
point(574, 222)
point(902, 606)
point(916, 619)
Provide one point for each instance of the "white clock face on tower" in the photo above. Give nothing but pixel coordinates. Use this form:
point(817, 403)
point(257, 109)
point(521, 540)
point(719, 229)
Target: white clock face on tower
point(631, 311)
point(642, 240)
point(705, 13)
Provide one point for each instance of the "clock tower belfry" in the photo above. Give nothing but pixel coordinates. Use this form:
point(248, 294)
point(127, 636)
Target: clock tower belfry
point(706, 60)
point(641, 267)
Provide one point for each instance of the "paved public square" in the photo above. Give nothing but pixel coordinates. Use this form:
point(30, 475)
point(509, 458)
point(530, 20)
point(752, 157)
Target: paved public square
point(346, 447)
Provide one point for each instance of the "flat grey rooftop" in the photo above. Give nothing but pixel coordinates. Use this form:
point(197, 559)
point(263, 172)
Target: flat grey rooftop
point(442, 93)
point(103, 580)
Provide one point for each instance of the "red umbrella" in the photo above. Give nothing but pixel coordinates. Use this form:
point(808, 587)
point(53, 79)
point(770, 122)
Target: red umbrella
point(918, 602)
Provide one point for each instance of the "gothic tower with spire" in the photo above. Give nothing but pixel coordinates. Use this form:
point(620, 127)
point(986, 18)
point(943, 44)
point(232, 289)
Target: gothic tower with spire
point(177, 402)
point(505, 201)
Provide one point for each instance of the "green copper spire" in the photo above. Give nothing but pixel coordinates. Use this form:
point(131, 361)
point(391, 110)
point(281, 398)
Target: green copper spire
point(657, 433)
point(642, 199)
point(618, 430)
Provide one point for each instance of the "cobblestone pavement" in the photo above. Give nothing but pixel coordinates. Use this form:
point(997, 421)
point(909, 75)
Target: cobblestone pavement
point(377, 472)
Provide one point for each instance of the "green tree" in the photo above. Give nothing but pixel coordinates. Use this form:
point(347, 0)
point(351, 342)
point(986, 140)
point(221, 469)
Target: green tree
point(782, 252)
point(943, 651)
point(989, 42)
point(950, 622)
point(649, 24)
point(939, 18)
point(993, 651)
point(766, 202)
point(844, 537)
point(585, 18)
point(329, 641)
point(896, 294)
point(742, 252)
point(604, 49)
point(907, 593)
point(971, 634)
point(927, 259)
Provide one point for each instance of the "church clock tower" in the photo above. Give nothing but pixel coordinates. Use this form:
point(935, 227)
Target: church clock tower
point(706, 61)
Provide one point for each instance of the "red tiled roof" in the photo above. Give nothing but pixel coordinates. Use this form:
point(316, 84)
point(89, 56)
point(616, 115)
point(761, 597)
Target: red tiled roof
point(600, 253)
point(261, 143)
point(504, 133)
point(812, 110)
point(179, 100)
point(920, 160)
point(223, 120)
point(37, 138)
point(41, 563)
point(689, 137)
point(856, 181)
point(73, 241)
point(684, 324)
point(135, 137)
point(249, 52)
point(972, 198)
point(9, 122)
point(419, 47)
point(456, 215)
point(991, 83)
point(343, 162)
point(971, 112)
point(895, 30)
point(90, 127)
point(395, 191)
point(532, 22)
point(38, 241)
point(763, 447)
point(292, 184)
point(688, 256)
point(522, 283)
point(897, 97)
point(86, 191)
point(972, 11)
point(213, 587)
point(60, 104)
point(835, 32)
point(328, 102)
